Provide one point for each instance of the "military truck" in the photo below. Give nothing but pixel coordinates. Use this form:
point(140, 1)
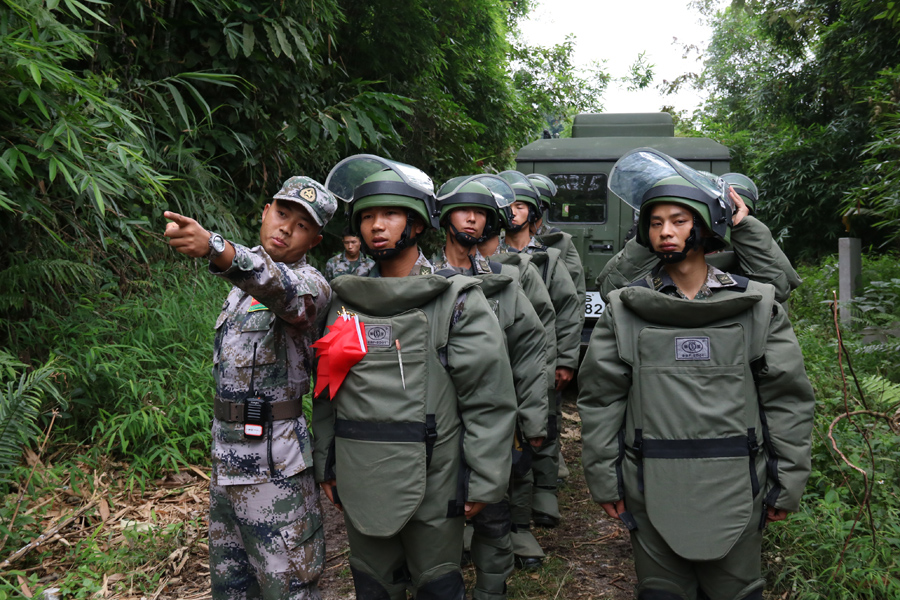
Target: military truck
point(580, 165)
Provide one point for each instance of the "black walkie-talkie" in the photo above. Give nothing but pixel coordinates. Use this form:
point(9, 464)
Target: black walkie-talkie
point(255, 416)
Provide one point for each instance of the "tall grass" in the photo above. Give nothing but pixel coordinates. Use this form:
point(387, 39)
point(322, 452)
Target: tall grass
point(831, 548)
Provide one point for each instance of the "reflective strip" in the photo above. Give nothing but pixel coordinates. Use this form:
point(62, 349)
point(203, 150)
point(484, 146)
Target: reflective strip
point(708, 448)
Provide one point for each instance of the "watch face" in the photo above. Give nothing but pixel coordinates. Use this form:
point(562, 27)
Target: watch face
point(218, 243)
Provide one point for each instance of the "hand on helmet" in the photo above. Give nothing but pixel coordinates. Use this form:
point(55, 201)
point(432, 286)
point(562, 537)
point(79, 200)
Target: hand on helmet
point(740, 206)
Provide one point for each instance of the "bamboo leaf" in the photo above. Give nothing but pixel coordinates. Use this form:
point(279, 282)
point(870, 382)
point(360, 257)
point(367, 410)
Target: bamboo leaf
point(179, 102)
point(23, 160)
point(352, 128)
point(51, 167)
point(98, 197)
point(273, 40)
point(35, 74)
point(23, 96)
point(40, 105)
point(282, 41)
point(4, 167)
point(298, 41)
point(249, 39)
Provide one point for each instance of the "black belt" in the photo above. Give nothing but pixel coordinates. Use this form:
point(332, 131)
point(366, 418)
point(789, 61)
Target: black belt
point(408, 431)
point(233, 412)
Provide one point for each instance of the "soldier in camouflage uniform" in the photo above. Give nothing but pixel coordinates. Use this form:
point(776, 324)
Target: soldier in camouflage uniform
point(417, 438)
point(351, 261)
point(266, 539)
point(692, 375)
point(469, 215)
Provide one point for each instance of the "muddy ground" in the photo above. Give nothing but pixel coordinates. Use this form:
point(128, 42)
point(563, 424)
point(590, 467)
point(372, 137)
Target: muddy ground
point(588, 554)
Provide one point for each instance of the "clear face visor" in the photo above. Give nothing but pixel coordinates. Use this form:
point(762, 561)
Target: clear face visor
point(546, 181)
point(739, 180)
point(348, 174)
point(514, 177)
point(503, 194)
point(641, 169)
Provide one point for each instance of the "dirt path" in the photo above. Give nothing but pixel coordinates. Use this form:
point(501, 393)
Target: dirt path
point(588, 555)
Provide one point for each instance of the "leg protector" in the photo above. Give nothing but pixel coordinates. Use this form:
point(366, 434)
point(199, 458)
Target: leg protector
point(370, 587)
point(449, 586)
point(754, 591)
point(493, 521)
point(648, 594)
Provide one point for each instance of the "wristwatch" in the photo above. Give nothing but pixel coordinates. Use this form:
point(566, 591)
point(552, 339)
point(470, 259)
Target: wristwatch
point(216, 246)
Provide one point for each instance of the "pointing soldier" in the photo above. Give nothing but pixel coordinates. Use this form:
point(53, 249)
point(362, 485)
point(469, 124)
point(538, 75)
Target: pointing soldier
point(266, 537)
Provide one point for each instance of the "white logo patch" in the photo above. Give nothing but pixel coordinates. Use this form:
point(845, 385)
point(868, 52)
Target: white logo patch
point(378, 336)
point(692, 348)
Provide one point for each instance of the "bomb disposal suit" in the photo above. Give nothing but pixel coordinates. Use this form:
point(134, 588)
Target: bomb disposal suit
point(491, 547)
point(424, 422)
point(569, 322)
point(697, 413)
point(553, 237)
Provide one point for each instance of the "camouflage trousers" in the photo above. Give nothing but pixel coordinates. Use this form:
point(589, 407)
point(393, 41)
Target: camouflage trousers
point(266, 541)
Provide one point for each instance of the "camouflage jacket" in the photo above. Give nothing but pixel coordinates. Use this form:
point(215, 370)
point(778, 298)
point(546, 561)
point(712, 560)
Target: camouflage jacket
point(422, 267)
point(277, 309)
point(479, 264)
point(660, 281)
point(340, 265)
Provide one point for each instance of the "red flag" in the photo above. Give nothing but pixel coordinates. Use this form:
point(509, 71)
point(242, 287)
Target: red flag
point(338, 350)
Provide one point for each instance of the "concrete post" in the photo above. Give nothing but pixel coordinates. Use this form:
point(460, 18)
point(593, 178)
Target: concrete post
point(850, 274)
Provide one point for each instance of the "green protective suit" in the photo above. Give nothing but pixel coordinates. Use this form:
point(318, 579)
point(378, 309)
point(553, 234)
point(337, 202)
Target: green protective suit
point(698, 414)
point(562, 241)
point(394, 441)
point(521, 487)
point(492, 552)
point(756, 256)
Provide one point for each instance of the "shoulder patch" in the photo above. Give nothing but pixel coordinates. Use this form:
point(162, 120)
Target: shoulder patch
point(256, 305)
point(725, 279)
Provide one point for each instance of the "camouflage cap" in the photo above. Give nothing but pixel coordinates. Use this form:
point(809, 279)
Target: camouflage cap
point(312, 195)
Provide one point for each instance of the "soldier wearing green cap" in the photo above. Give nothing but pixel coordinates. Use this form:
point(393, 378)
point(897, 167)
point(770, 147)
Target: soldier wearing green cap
point(266, 539)
point(468, 214)
point(695, 405)
point(417, 438)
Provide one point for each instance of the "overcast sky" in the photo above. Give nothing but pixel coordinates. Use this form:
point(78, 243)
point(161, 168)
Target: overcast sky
point(619, 31)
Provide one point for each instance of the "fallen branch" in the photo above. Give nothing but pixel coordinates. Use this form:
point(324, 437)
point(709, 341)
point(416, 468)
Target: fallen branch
point(22, 490)
point(46, 535)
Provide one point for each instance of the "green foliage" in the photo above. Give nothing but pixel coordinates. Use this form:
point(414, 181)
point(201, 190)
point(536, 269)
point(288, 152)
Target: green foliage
point(806, 555)
point(23, 396)
point(796, 90)
point(551, 85)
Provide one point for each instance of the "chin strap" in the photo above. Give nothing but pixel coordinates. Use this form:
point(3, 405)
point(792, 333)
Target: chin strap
point(405, 241)
point(464, 239)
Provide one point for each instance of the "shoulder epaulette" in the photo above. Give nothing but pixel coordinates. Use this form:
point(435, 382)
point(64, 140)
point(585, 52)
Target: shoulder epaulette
point(642, 282)
point(495, 267)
